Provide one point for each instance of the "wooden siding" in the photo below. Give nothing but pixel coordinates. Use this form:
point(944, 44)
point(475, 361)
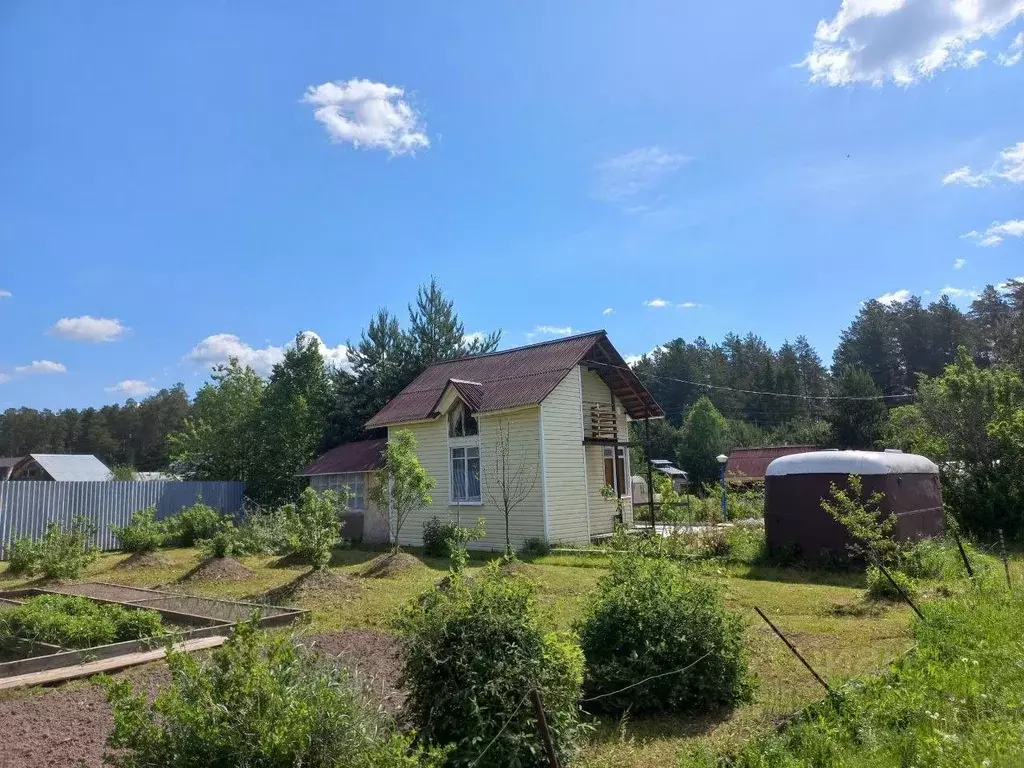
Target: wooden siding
point(602, 510)
point(527, 519)
point(563, 466)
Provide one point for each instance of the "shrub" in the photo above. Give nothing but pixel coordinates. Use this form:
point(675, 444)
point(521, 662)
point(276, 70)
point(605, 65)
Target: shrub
point(142, 534)
point(65, 552)
point(474, 651)
point(222, 544)
point(77, 622)
point(536, 547)
point(649, 618)
point(880, 588)
point(259, 702)
point(314, 526)
point(264, 532)
point(193, 524)
point(746, 544)
point(435, 537)
point(940, 559)
point(22, 556)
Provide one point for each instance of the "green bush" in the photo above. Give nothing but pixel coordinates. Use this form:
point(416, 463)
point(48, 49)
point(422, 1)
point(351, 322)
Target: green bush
point(649, 618)
point(258, 702)
point(746, 544)
point(264, 532)
point(474, 651)
point(65, 552)
point(22, 556)
point(536, 547)
point(880, 588)
point(222, 544)
point(77, 622)
point(955, 700)
point(193, 524)
point(142, 534)
point(940, 559)
point(314, 526)
point(435, 537)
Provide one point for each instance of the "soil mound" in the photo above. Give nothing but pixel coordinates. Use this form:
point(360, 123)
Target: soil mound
point(387, 565)
point(218, 569)
point(144, 560)
point(374, 660)
point(313, 583)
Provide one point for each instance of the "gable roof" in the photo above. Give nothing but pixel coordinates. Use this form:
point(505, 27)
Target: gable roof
point(69, 466)
point(752, 463)
point(518, 377)
point(360, 456)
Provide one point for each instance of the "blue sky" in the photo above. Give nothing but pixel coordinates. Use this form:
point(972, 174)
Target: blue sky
point(182, 181)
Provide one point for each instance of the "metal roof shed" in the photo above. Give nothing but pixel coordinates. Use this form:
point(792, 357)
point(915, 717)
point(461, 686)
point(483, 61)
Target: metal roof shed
point(795, 486)
point(63, 467)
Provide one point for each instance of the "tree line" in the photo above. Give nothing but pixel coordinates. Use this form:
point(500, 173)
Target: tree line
point(739, 392)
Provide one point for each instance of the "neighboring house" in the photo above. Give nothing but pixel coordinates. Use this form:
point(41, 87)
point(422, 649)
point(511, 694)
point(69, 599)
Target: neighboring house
point(7, 464)
point(61, 467)
point(351, 467)
point(748, 465)
point(680, 480)
point(566, 406)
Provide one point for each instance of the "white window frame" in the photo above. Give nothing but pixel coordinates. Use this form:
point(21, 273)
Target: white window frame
point(338, 480)
point(455, 443)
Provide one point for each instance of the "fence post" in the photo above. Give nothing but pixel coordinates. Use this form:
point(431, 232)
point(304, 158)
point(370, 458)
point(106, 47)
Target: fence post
point(792, 647)
point(542, 727)
point(1006, 560)
point(899, 589)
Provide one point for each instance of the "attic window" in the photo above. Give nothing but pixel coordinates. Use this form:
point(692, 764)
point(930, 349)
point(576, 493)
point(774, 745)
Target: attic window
point(461, 423)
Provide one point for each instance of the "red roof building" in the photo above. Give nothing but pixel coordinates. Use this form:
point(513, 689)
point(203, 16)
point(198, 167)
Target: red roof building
point(747, 465)
point(361, 456)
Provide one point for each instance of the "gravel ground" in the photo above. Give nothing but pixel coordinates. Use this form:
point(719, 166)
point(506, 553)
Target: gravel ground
point(66, 726)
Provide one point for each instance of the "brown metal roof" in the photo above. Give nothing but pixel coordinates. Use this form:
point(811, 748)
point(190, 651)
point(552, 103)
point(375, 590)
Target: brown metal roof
point(751, 463)
point(518, 377)
point(361, 456)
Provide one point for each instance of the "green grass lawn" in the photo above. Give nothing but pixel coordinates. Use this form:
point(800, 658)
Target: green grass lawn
point(823, 614)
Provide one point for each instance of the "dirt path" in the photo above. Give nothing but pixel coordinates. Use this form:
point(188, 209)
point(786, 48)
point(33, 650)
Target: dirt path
point(67, 726)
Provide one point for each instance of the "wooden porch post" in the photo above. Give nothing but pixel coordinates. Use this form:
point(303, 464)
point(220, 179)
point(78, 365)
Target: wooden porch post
point(650, 479)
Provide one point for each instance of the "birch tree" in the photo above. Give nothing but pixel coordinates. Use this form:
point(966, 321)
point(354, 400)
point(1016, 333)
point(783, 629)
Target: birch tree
point(511, 479)
point(403, 485)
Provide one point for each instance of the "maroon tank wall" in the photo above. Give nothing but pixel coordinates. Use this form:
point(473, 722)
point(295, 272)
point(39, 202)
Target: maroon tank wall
point(793, 517)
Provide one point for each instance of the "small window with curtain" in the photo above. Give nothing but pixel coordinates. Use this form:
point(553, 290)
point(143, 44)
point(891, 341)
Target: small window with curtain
point(615, 470)
point(461, 423)
point(465, 466)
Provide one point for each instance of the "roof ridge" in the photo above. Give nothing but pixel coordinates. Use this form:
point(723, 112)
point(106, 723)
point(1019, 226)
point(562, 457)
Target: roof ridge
point(545, 372)
point(523, 346)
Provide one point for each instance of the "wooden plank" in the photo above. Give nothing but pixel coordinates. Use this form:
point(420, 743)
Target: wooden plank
point(106, 665)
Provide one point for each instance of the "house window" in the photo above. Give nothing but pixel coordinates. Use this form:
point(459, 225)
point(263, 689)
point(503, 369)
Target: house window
point(615, 470)
point(352, 482)
point(465, 461)
point(461, 423)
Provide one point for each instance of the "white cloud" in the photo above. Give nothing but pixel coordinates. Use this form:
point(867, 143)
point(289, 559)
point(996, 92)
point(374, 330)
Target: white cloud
point(474, 338)
point(959, 263)
point(1006, 285)
point(132, 388)
point(632, 360)
point(607, 311)
point(958, 293)
point(41, 366)
point(336, 357)
point(87, 328)
point(367, 114)
point(5, 294)
point(4, 378)
point(894, 297)
point(688, 305)
point(1010, 167)
point(624, 176)
point(1011, 163)
point(549, 330)
point(1012, 55)
point(903, 41)
point(997, 232)
point(965, 177)
point(220, 347)
point(657, 303)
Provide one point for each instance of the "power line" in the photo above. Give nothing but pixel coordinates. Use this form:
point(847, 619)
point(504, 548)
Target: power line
point(754, 391)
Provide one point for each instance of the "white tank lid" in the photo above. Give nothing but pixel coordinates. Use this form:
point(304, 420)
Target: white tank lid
point(851, 463)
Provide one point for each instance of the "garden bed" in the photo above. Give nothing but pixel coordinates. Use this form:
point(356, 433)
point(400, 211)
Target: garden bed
point(183, 617)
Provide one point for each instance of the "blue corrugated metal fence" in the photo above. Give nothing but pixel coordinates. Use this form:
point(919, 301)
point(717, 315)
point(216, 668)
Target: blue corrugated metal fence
point(26, 506)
